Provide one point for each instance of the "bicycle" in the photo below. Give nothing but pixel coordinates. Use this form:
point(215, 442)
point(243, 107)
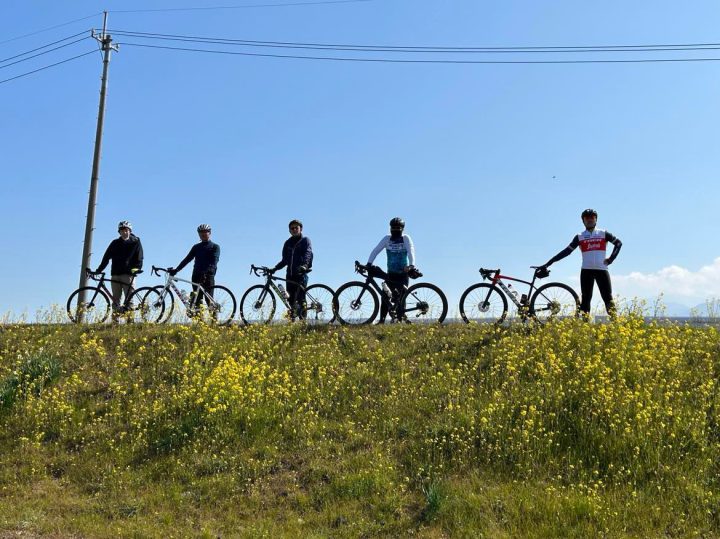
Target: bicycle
point(258, 303)
point(99, 304)
point(358, 302)
point(159, 303)
point(488, 302)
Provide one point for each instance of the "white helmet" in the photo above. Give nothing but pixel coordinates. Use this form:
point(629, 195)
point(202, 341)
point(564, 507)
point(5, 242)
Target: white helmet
point(204, 228)
point(125, 224)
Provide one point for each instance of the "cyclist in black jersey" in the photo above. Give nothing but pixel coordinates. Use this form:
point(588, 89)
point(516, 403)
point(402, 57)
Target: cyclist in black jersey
point(206, 255)
point(297, 256)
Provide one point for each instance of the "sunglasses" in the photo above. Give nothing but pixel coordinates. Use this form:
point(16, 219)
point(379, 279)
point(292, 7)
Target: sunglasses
point(294, 228)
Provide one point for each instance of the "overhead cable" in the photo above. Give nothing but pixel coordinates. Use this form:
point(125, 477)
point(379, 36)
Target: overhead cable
point(419, 61)
point(44, 52)
point(47, 66)
point(414, 49)
point(52, 27)
point(406, 48)
point(243, 6)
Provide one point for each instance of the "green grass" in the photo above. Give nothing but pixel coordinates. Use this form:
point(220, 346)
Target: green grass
point(564, 430)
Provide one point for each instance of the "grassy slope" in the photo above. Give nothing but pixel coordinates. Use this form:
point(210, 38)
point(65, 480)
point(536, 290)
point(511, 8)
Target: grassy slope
point(568, 430)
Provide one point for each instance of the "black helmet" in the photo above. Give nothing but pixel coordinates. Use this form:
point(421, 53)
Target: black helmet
point(204, 228)
point(588, 213)
point(397, 222)
point(297, 222)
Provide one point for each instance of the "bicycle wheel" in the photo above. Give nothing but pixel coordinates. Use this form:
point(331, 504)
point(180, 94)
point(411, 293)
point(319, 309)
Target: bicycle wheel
point(554, 300)
point(483, 302)
point(146, 305)
point(95, 308)
point(319, 304)
point(257, 305)
point(355, 303)
point(221, 308)
point(424, 302)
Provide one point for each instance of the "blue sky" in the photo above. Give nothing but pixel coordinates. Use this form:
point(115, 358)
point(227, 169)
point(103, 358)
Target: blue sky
point(490, 165)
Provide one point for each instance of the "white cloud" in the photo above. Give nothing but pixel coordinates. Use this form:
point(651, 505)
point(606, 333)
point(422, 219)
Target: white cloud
point(674, 282)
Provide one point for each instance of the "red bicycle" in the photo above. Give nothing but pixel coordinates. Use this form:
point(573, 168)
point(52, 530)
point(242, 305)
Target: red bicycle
point(483, 302)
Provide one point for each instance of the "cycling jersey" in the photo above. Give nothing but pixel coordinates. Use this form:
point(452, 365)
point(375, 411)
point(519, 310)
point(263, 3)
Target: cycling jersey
point(206, 255)
point(593, 246)
point(400, 253)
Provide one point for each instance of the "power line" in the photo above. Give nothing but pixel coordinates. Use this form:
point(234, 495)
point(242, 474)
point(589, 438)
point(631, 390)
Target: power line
point(408, 61)
point(51, 27)
point(43, 47)
point(245, 6)
point(47, 66)
point(416, 49)
point(406, 48)
point(44, 52)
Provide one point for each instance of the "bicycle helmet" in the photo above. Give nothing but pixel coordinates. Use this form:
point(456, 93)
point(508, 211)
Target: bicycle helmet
point(589, 213)
point(297, 222)
point(125, 224)
point(397, 222)
point(204, 228)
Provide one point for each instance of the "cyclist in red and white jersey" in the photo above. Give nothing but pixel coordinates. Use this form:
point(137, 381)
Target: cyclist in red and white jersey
point(593, 245)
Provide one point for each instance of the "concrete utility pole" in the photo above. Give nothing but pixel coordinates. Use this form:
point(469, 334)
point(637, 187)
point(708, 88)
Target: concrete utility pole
point(105, 41)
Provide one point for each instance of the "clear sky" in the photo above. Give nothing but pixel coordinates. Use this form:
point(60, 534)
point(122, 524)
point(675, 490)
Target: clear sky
point(490, 164)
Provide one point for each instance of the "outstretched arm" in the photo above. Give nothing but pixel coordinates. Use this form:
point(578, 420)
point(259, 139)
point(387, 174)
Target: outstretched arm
point(105, 259)
point(562, 254)
point(185, 261)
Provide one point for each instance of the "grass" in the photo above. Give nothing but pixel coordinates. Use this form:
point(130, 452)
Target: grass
point(564, 430)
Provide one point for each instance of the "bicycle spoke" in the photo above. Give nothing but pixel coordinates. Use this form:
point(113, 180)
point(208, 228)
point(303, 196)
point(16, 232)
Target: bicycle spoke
point(554, 300)
point(318, 305)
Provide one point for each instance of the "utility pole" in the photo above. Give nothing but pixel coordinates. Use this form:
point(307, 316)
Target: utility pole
point(105, 41)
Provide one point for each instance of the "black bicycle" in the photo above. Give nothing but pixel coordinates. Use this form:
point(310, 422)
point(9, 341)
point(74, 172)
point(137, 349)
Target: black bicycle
point(485, 302)
point(358, 302)
point(98, 303)
point(259, 302)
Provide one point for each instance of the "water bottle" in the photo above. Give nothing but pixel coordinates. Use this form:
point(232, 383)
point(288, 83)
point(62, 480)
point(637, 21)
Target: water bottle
point(513, 291)
point(183, 296)
point(283, 291)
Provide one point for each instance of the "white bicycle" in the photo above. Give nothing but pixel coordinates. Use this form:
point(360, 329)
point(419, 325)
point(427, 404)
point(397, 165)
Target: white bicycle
point(215, 305)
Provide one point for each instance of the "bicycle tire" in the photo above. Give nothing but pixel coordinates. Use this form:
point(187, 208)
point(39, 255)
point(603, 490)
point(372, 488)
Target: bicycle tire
point(253, 312)
point(319, 305)
point(96, 310)
point(481, 302)
point(168, 303)
point(149, 305)
point(345, 303)
point(556, 300)
point(423, 299)
point(225, 303)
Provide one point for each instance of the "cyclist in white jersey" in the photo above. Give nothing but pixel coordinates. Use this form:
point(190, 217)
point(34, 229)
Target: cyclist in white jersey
point(593, 245)
point(400, 260)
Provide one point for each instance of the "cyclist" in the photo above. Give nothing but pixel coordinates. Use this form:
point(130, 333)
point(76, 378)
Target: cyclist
point(297, 256)
point(126, 254)
point(400, 260)
point(206, 255)
point(593, 245)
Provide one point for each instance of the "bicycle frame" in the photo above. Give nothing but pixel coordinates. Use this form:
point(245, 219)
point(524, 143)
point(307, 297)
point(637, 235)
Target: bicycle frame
point(270, 284)
point(496, 279)
point(102, 286)
point(171, 287)
point(393, 306)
